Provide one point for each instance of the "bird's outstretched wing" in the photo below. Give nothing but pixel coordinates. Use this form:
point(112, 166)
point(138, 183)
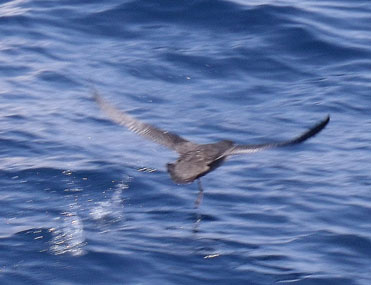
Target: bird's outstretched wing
point(240, 149)
point(165, 138)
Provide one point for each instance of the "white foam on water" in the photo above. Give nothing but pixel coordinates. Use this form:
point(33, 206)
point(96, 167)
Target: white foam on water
point(112, 208)
point(69, 236)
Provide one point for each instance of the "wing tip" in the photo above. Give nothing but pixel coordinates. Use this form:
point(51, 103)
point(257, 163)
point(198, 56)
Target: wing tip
point(324, 122)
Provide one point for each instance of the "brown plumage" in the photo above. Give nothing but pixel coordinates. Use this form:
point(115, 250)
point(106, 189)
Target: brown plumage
point(195, 160)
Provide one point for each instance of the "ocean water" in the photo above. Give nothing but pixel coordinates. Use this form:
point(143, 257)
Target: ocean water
point(84, 201)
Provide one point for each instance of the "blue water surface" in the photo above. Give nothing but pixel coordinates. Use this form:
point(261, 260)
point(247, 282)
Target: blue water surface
point(84, 201)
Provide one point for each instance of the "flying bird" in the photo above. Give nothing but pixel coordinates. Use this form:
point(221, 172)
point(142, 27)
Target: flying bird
point(195, 160)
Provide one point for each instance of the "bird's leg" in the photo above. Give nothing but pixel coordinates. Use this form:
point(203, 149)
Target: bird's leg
point(200, 194)
point(197, 204)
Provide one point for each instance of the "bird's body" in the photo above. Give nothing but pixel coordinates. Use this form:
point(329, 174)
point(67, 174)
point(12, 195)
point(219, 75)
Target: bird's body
point(198, 160)
point(195, 160)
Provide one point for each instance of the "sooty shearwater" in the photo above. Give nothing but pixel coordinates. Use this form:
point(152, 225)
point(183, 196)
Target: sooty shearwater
point(195, 160)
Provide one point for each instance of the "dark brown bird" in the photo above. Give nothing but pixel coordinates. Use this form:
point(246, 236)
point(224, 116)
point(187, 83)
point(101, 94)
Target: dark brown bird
point(195, 160)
